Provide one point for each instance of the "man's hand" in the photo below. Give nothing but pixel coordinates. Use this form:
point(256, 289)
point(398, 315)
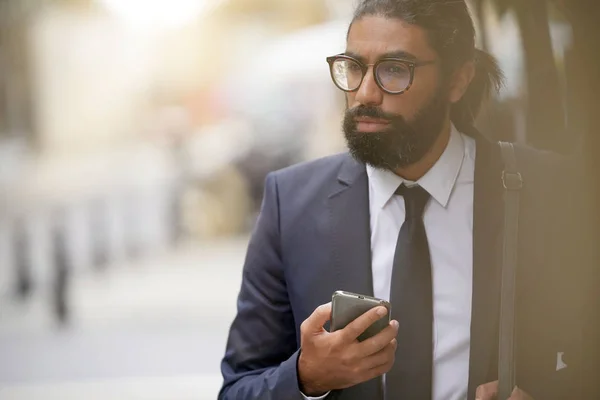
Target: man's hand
point(337, 360)
point(489, 391)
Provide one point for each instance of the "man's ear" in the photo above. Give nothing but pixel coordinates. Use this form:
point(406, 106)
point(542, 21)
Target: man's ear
point(461, 79)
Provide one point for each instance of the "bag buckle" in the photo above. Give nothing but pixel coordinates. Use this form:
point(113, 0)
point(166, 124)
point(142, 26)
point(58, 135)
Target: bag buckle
point(512, 180)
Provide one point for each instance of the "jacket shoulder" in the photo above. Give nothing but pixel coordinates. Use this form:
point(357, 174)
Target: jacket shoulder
point(311, 172)
point(545, 165)
point(303, 186)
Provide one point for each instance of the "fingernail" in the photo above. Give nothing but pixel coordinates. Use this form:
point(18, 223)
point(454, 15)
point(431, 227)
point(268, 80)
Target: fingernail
point(381, 311)
point(395, 324)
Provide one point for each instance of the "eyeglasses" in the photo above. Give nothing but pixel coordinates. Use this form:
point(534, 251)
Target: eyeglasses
point(392, 75)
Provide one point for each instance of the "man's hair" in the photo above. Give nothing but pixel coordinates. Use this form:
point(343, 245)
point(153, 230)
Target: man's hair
point(451, 34)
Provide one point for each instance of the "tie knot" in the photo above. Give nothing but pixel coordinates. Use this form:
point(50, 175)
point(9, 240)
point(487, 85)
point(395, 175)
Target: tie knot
point(415, 200)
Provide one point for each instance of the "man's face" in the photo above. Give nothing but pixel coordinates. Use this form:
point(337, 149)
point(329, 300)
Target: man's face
point(392, 131)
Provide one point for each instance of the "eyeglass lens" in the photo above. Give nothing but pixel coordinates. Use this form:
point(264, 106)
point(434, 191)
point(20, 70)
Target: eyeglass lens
point(394, 76)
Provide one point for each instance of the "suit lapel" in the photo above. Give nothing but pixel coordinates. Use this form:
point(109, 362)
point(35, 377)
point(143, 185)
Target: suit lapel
point(487, 218)
point(348, 206)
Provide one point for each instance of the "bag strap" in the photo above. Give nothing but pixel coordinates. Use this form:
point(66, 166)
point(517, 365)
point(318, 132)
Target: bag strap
point(512, 182)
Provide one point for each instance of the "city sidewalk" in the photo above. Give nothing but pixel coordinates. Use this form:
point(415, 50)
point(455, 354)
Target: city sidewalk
point(155, 330)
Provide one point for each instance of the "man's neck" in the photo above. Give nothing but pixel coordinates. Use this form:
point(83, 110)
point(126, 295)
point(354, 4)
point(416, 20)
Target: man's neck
point(415, 171)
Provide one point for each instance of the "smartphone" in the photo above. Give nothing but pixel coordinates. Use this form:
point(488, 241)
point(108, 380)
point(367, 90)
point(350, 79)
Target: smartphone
point(346, 307)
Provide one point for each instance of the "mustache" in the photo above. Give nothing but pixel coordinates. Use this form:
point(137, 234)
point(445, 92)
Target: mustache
point(372, 112)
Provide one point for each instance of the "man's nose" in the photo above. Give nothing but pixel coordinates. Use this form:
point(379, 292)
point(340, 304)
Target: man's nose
point(369, 93)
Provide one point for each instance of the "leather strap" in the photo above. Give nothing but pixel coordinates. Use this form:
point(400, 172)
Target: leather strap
point(513, 183)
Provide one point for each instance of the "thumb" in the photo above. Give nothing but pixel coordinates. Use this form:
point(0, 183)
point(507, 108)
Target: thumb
point(489, 391)
point(314, 323)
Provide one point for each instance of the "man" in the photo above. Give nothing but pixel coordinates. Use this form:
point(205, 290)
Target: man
point(412, 215)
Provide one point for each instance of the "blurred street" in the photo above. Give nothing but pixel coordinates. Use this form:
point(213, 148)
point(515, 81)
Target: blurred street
point(149, 330)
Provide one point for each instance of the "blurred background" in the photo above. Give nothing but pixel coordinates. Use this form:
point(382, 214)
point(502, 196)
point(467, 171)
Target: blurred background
point(135, 136)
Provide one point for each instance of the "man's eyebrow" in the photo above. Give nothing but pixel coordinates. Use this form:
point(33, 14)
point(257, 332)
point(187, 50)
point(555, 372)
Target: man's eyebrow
point(404, 55)
point(355, 56)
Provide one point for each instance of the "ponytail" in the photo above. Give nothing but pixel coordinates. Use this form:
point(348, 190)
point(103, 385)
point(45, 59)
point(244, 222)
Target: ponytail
point(488, 77)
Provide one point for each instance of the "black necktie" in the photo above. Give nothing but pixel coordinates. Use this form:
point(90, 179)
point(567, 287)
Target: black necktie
point(411, 296)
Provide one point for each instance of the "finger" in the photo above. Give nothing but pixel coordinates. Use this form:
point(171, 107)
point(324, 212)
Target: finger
point(355, 328)
point(374, 344)
point(489, 391)
point(314, 323)
point(382, 362)
point(381, 358)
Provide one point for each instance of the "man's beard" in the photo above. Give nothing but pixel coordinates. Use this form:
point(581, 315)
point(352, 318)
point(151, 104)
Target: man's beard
point(402, 143)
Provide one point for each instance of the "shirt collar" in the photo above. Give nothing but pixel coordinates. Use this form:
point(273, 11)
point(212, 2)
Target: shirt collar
point(439, 181)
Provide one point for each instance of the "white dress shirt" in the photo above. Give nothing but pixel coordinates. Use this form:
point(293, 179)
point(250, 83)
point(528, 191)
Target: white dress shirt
point(448, 220)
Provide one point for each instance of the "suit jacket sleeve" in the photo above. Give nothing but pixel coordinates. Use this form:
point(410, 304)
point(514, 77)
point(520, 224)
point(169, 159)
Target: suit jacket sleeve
point(260, 361)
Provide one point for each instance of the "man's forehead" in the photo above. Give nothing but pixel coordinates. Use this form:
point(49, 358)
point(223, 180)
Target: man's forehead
point(373, 37)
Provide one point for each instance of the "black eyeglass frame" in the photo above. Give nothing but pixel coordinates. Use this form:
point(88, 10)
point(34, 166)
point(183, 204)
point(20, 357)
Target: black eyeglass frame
point(365, 67)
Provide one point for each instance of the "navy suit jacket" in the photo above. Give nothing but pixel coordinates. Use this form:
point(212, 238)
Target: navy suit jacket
point(312, 237)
